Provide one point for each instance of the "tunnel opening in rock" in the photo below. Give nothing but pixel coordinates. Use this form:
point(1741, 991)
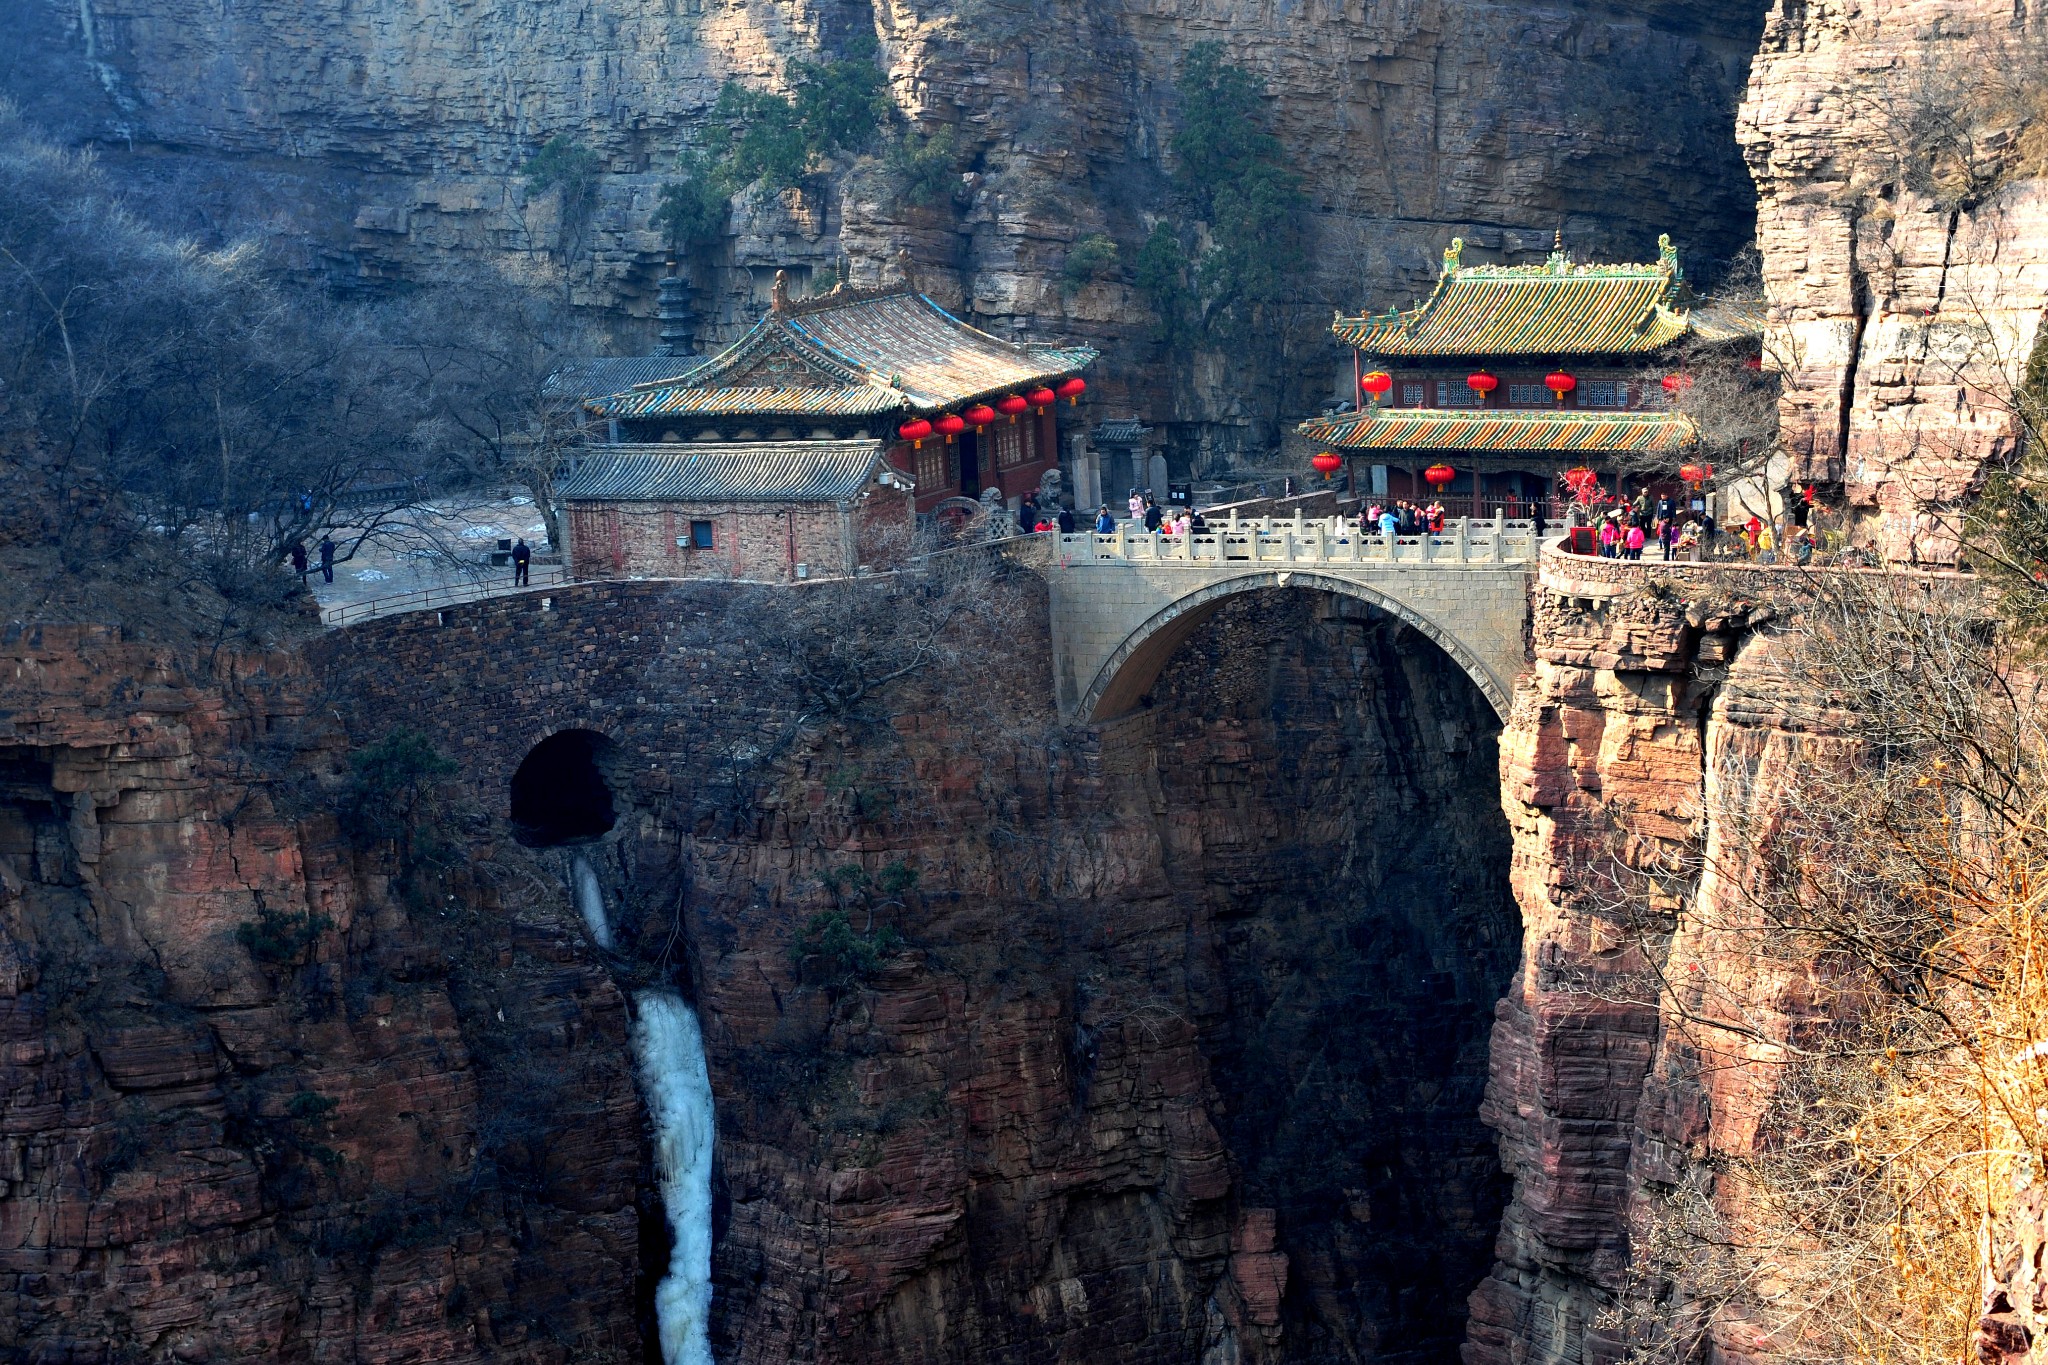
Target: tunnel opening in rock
point(559, 793)
point(1330, 785)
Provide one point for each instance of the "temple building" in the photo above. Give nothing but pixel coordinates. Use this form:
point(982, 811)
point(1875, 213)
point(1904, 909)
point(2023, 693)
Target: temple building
point(1508, 375)
point(951, 410)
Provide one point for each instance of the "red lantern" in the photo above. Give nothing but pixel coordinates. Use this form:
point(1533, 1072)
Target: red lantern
point(1755, 362)
point(1583, 482)
point(951, 425)
point(1695, 474)
point(1482, 382)
point(980, 415)
point(1072, 389)
point(1039, 398)
point(1013, 404)
point(1675, 384)
point(1327, 463)
point(1378, 383)
point(1559, 383)
point(1439, 475)
point(915, 430)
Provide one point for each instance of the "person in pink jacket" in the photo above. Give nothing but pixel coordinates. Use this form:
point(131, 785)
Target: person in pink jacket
point(1610, 536)
point(1634, 540)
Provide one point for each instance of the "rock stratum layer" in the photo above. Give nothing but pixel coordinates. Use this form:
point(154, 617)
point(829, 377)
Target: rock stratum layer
point(255, 1105)
point(1905, 300)
point(386, 143)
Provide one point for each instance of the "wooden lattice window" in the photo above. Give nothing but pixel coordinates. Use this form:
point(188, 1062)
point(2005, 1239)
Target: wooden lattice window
point(933, 463)
point(1456, 393)
point(1603, 393)
point(1011, 447)
point(1530, 395)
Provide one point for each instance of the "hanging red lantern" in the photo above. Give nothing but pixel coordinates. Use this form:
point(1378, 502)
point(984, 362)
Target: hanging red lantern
point(1695, 474)
point(1327, 463)
point(1378, 383)
point(1072, 389)
point(1013, 403)
point(915, 430)
point(1559, 383)
point(1439, 475)
point(1040, 398)
point(1675, 384)
point(950, 425)
point(980, 415)
point(1482, 382)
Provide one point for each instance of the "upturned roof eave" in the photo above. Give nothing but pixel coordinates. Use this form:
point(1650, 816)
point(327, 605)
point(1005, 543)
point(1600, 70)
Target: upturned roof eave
point(1670, 432)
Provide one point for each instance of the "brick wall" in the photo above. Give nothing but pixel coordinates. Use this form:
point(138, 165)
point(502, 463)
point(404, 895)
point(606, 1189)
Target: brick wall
point(760, 541)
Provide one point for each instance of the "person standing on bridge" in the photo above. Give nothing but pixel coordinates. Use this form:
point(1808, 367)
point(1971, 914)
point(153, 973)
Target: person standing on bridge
point(1105, 522)
point(1137, 505)
point(327, 558)
point(522, 558)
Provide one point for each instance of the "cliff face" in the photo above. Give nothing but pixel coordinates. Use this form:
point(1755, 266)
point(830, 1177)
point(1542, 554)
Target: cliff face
point(1645, 739)
point(385, 141)
point(1905, 251)
point(256, 1106)
point(1181, 1054)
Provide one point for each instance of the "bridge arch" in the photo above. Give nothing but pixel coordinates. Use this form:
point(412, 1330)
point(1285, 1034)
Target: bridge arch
point(561, 793)
point(1131, 669)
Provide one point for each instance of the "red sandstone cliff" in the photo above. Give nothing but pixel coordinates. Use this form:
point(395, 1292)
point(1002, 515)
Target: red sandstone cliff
point(1906, 292)
point(302, 1152)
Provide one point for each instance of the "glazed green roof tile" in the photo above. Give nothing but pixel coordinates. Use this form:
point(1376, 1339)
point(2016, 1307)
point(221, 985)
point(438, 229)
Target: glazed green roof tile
point(1555, 309)
point(1504, 431)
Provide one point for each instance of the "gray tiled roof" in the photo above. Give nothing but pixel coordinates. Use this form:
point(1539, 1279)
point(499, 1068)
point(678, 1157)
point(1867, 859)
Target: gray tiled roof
point(603, 375)
point(750, 471)
point(1120, 431)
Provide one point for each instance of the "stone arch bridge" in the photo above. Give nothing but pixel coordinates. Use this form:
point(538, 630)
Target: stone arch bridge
point(657, 667)
point(1121, 604)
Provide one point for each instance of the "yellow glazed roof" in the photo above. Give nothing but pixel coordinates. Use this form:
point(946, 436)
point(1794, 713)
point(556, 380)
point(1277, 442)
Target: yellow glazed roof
point(852, 353)
point(1554, 309)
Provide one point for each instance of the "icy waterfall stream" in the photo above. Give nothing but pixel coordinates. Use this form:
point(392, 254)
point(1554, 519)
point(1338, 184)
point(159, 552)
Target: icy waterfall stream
point(669, 1049)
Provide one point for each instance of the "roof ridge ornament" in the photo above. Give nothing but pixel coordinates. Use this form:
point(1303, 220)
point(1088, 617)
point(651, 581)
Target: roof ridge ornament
point(780, 301)
point(905, 264)
point(1451, 255)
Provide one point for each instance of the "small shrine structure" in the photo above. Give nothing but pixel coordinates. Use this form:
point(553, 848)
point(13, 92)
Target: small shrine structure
point(949, 408)
point(1508, 375)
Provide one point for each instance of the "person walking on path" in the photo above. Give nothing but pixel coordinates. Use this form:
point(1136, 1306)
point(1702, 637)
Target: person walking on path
point(1635, 540)
point(1610, 537)
point(299, 561)
point(522, 559)
point(327, 558)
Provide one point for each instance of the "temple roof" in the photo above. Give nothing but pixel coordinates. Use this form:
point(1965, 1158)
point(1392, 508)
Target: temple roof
point(753, 471)
point(1505, 431)
point(851, 353)
point(601, 375)
point(1555, 309)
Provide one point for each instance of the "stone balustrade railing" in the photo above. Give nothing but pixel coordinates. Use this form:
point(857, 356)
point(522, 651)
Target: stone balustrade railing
point(1306, 540)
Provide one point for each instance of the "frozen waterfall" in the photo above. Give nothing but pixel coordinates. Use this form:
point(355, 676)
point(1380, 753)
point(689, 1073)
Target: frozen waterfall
point(590, 899)
point(669, 1048)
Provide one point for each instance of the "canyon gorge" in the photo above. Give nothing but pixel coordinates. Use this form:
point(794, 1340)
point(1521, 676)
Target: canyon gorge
point(356, 982)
